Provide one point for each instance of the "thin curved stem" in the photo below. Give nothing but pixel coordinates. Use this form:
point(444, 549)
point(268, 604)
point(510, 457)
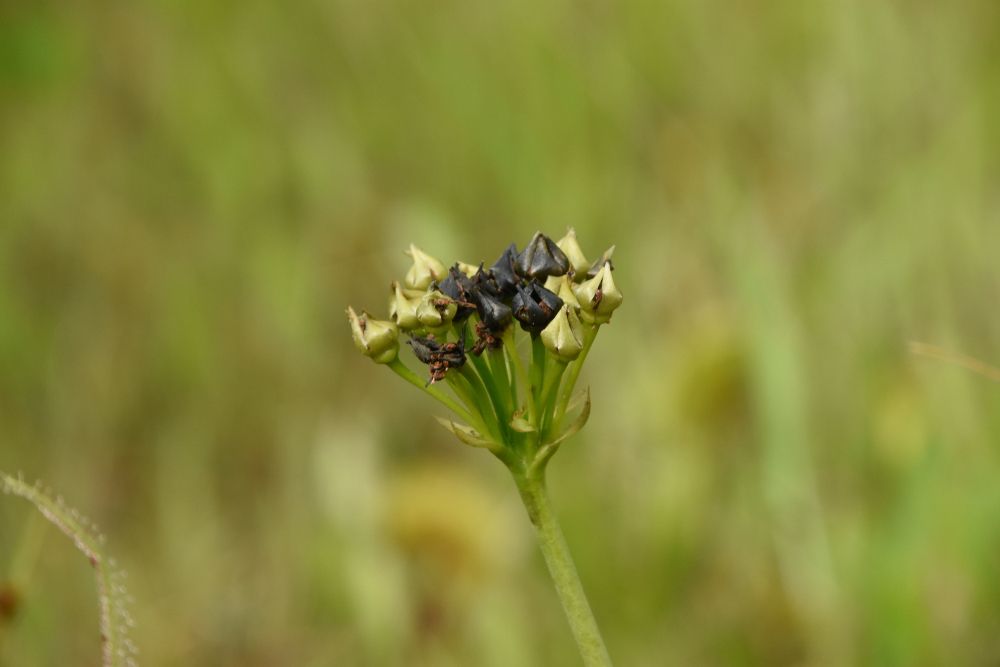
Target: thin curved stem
point(538, 358)
point(490, 412)
point(496, 395)
point(560, 564)
point(572, 374)
point(400, 369)
point(477, 402)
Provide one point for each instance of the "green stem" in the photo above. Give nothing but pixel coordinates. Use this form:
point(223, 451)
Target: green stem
point(538, 357)
point(489, 381)
point(552, 377)
point(483, 388)
point(400, 369)
point(521, 375)
point(589, 335)
point(498, 365)
point(563, 571)
point(511, 378)
point(477, 402)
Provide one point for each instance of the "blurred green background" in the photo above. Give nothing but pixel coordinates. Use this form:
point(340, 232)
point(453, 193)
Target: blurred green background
point(192, 192)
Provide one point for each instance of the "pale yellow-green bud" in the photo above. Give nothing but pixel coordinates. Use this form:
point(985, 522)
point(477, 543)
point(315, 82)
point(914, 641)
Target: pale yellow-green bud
point(436, 309)
point(564, 334)
point(599, 296)
point(403, 308)
point(571, 247)
point(468, 269)
point(565, 291)
point(424, 271)
point(378, 339)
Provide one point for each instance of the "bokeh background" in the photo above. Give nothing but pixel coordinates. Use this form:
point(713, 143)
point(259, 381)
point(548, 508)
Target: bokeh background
point(192, 192)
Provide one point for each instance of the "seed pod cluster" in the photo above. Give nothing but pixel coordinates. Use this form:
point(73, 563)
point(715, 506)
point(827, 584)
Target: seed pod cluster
point(530, 286)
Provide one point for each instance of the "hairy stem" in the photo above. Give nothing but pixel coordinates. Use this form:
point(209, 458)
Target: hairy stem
point(117, 650)
point(563, 571)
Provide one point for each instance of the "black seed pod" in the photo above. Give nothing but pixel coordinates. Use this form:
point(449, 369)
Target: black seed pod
point(504, 274)
point(459, 287)
point(494, 313)
point(541, 258)
point(424, 348)
point(599, 263)
point(439, 357)
point(596, 268)
point(484, 281)
point(534, 307)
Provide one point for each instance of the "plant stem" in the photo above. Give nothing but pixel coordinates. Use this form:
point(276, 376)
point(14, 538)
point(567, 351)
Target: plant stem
point(477, 402)
point(538, 358)
point(520, 374)
point(552, 378)
point(574, 372)
point(563, 571)
point(496, 396)
point(483, 388)
point(400, 369)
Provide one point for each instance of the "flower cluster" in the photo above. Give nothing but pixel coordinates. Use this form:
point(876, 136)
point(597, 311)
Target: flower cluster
point(462, 323)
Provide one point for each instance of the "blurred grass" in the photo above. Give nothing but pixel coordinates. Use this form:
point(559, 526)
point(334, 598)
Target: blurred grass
point(190, 194)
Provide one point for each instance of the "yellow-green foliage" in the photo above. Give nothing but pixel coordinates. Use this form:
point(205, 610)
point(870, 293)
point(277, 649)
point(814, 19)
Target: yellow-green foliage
point(192, 192)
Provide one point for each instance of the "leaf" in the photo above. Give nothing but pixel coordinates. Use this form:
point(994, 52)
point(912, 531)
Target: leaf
point(578, 423)
point(465, 433)
point(579, 399)
point(520, 424)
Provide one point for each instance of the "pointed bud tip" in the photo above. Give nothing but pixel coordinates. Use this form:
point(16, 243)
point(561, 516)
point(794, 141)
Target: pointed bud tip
point(541, 258)
point(403, 308)
point(599, 297)
point(571, 248)
point(425, 270)
point(377, 339)
point(436, 309)
point(564, 334)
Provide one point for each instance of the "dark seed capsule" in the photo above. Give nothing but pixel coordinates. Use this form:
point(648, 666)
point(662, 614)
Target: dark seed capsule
point(439, 357)
point(599, 263)
point(534, 307)
point(493, 312)
point(453, 354)
point(504, 274)
point(485, 339)
point(484, 281)
point(424, 348)
point(459, 287)
point(541, 258)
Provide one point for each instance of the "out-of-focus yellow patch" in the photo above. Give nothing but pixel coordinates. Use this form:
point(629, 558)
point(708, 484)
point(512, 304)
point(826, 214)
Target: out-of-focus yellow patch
point(900, 428)
point(443, 518)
